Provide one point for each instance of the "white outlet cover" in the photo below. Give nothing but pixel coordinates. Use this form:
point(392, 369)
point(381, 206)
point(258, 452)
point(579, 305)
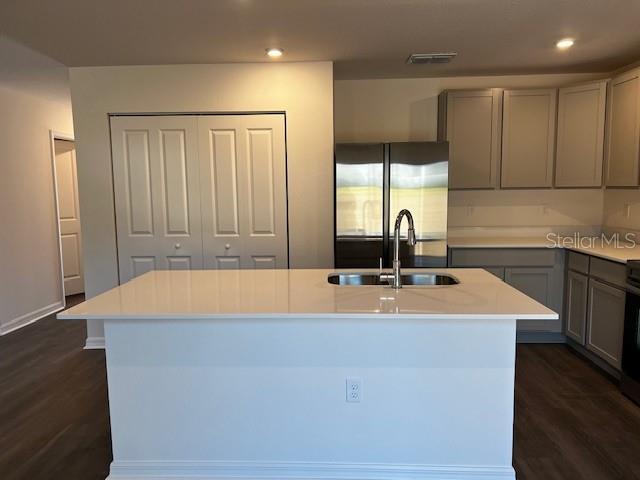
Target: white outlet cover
point(354, 390)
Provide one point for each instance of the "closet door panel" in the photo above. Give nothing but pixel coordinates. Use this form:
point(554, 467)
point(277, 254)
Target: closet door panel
point(157, 195)
point(243, 171)
point(175, 182)
point(261, 182)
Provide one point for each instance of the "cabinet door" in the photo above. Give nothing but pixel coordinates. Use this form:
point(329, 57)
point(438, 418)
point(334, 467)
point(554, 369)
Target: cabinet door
point(576, 311)
point(528, 138)
point(539, 283)
point(605, 320)
point(473, 124)
point(624, 130)
point(580, 145)
point(497, 271)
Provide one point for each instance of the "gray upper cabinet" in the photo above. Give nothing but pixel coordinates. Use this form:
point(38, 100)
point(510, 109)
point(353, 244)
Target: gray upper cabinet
point(580, 143)
point(471, 122)
point(606, 320)
point(623, 139)
point(576, 306)
point(528, 138)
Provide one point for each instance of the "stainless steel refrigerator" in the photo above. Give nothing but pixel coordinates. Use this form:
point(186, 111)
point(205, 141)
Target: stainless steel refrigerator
point(373, 182)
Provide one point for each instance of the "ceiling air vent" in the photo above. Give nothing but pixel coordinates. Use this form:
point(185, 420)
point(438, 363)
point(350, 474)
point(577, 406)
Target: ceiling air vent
point(421, 58)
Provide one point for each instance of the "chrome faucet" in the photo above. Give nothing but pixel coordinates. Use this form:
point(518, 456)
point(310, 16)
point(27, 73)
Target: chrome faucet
point(395, 278)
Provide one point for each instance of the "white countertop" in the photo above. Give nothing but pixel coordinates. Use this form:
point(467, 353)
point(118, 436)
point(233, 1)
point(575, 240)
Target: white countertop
point(498, 242)
point(202, 294)
point(587, 245)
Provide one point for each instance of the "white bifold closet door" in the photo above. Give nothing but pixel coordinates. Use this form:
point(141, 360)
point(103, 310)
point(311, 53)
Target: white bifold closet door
point(157, 195)
point(197, 192)
point(243, 182)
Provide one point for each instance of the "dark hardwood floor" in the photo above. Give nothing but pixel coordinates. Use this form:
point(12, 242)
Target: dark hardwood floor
point(54, 420)
point(572, 423)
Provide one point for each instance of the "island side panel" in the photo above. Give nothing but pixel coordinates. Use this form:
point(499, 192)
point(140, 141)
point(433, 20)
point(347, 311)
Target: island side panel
point(199, 396)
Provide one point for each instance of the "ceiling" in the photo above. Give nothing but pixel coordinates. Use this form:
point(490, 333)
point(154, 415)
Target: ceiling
point(33, 73)
point(365, 38)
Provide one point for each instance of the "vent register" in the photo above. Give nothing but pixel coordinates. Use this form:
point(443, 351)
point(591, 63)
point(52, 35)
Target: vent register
point(430, 58)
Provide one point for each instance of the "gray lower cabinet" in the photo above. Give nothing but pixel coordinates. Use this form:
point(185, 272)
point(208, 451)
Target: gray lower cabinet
point(605, 319)
point(576, 294)
point(537, 272)
point(542, 284)
point(594, 307)
point(497, 271)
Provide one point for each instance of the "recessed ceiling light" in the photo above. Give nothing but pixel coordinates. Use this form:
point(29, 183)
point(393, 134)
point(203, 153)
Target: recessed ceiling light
point(565, 43)
point(275, 52)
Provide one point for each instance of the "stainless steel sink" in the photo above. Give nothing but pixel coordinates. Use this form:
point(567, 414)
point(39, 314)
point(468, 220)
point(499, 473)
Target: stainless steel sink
point(407, 279)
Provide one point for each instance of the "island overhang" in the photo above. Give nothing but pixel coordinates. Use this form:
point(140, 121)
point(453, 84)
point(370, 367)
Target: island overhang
point(246, 375)
point(304, 293)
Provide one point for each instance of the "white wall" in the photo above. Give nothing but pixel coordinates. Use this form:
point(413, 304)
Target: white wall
point(407, 110)
point(622, 210)
point(303, 90)
point(34, 99)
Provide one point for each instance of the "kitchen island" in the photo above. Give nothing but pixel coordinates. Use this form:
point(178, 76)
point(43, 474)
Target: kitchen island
point(278, 374)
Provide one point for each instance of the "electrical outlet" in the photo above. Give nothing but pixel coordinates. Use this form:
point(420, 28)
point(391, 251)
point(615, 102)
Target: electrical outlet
point(354, 390)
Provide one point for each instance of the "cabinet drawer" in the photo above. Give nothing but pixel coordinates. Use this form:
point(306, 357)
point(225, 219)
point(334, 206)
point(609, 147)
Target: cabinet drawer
point(503, 257)
point(612, 272)
point(578, 262)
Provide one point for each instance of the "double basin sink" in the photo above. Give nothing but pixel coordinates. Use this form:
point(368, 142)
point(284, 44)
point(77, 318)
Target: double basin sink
point(424, 279)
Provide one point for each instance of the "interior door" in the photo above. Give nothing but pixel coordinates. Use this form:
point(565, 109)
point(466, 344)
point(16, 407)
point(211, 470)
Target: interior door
point(157, 195)
point(243, 186)
point(69, 212)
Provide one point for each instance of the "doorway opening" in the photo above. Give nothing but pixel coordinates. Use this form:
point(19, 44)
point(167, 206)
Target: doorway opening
point(68, 214)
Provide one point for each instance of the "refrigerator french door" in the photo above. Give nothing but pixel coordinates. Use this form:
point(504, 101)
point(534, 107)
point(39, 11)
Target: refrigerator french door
point(373, 182)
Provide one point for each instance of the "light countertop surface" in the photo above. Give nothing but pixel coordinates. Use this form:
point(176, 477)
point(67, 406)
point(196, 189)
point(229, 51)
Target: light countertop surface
point(620, 253)
point(202, 294)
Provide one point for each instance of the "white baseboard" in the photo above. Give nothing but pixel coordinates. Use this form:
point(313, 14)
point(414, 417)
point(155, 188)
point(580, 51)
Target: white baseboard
point(29, 318)
point(128, 470)
point(94, 343)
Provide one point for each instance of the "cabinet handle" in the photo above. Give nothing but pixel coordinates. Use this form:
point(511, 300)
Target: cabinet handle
point(177, 246)
point(227, 246)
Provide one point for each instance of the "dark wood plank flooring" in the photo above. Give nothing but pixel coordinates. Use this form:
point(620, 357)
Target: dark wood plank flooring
point(572, 423)
point(54, 420)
